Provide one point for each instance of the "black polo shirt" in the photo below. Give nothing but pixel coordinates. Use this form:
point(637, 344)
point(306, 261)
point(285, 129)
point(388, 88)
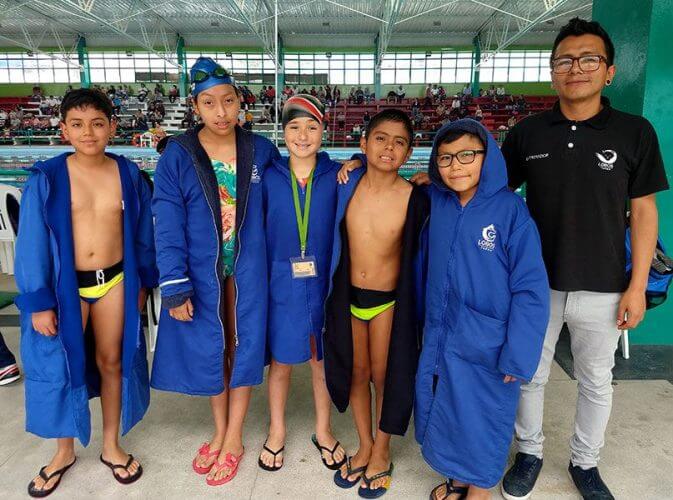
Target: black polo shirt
point(579, 176)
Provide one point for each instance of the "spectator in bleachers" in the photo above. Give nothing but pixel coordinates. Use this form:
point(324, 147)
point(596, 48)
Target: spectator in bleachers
point(521, 104)
point(455, 104)
point(359, 95)
point(159, 90)
point(428, 96)
point(321, 95)
point(467, 89)
point(248, 121)
point(441, 109)
point(482, 92)
point(491, 91)
point(142, 93)
point(441, 94)
point(341, 120)
point(140, 121)
point(54, 121)
point(173, 93)
point(336, 95)
point(4, 116)
point(262, 95)
point(250, 99)
point(416, 105)
point(478, 114)
point(435, 93)
point(356, 132)
point(500, 90)
point(36, 96)
point(266, 115)
point(366, 118)
point(313, 92)
point(15, 122)
point(401, 93)
point(369, 96)
point(116, 105)
point(417, 117)
point(511, 122)
point(351, 96)
point(271, 96)
point(160, 109)
point(510, 103)
point(45, 109)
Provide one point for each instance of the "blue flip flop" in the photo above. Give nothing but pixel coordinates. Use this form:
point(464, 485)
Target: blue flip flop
point(367, 492)
point(345, 482)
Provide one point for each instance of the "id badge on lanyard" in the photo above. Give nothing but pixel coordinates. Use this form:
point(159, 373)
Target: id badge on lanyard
point(304, 266)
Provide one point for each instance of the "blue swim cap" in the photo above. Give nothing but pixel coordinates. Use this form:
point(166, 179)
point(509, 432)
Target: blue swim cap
point(206, 73)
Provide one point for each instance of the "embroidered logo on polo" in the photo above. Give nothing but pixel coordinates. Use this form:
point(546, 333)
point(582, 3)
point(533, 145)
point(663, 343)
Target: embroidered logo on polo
point(255, 174)
point(487, 241)
point(537, 157)
point(606, 159)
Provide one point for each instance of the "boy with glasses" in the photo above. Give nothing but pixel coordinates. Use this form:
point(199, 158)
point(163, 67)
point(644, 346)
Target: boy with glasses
point(487, 304)
point(583, 162)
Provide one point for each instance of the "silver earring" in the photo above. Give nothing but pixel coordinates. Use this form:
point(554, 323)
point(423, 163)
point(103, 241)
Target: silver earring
point(608, 82)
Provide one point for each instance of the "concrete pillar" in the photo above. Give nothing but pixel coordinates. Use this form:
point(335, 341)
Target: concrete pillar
point(83, 59)
point(183, 79)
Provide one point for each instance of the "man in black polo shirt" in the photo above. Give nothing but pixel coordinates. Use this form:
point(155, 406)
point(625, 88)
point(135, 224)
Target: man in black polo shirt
point(582, 163)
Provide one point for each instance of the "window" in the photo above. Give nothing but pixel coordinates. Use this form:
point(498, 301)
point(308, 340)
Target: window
point(128, 67)
point(516, 66)
point(421, 67)
point(19, 67)
point(317, 69)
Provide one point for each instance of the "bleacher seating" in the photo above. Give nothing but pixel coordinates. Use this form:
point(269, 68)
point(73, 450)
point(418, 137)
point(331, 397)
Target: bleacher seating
point(493, 119)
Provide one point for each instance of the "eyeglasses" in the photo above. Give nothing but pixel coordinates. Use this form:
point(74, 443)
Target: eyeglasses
point(587, 63)
point(464, 157)
point(201, 75)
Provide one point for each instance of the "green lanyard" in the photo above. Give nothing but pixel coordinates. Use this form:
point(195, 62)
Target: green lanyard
point(302, 221)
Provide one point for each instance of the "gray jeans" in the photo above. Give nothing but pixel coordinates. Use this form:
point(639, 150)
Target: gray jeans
point(592, 322)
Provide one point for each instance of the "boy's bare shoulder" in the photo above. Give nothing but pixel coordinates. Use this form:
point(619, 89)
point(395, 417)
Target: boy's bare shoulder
point(403, 185)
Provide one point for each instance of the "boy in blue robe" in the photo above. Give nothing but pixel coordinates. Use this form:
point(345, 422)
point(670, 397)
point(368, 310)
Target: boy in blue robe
point(487, 307)
point(84, 255)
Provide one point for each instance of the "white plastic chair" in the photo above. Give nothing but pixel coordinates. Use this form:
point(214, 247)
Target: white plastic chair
point(7, 234)
point(146, 140)
point(153, 314)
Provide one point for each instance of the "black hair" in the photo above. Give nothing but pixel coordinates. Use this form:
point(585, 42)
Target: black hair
point(83, 98)
point(454, 135)
point(391, 115)
point(579, 27)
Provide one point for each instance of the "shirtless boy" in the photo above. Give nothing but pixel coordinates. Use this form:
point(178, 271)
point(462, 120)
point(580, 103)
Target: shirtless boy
point(371, 312)
point(85, 254)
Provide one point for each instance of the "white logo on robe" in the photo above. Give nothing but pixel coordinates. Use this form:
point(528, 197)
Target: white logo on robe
point(255, 175)
point(487, 241)
point(606, 159)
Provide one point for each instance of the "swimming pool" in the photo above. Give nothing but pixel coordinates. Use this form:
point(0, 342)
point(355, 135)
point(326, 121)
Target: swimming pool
point(15, 158)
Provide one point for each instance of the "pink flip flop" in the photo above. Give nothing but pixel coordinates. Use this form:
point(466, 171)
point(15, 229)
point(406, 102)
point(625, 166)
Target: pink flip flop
point(204, 451)
point(230, 461)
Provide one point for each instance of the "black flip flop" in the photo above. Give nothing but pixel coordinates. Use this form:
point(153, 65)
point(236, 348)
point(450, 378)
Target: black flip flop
point(124, 480)
point(335, 465)
point(35, 493)
point(450, 490)
point(367, 492)
point(274, 467)
point(344, 482)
